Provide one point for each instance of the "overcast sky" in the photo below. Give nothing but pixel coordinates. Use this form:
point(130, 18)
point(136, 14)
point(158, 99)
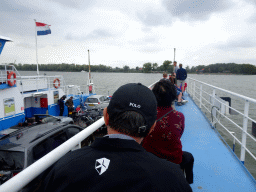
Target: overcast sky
point(130, 32)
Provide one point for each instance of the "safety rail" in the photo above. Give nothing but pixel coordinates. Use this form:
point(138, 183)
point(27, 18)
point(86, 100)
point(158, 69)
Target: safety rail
point(28, 83)
point(195, 89)
point(4, 71)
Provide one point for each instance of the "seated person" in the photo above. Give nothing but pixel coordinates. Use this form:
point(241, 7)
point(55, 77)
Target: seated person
point(164, 140)
point(179, 93)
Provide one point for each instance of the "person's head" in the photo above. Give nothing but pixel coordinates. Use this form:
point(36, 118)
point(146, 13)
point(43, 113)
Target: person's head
point(180, 65)
point(71, 97)
point(131, 110)
point(165, 75)
point(165, 93)
point(175, 63)
point(171, 79)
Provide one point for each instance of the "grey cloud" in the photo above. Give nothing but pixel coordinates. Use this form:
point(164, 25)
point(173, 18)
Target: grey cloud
point(96, 34)
point(246, 42)
point(17, 16)
point(151, 18)
point(99, 33)
point(78, 4)
point(196, 10)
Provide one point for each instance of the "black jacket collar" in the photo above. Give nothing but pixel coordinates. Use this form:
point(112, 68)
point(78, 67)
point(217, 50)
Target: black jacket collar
point(106, 143)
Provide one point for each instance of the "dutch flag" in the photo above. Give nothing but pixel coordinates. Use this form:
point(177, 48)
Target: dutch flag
point(42, 29)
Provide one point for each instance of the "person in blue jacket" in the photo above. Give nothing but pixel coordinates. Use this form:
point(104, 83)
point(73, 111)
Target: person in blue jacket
point(181, 76)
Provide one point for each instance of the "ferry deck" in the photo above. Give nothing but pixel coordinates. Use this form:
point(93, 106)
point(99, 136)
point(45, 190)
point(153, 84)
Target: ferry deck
point(216, 167)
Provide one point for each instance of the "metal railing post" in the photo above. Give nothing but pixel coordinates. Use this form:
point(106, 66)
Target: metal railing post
point(194, 89)
point(213, 97)
point(245, 123)
point(234, 140)
point(201, 87)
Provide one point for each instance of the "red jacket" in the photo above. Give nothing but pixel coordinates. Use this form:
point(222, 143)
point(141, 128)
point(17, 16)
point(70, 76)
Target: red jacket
point(164, 141)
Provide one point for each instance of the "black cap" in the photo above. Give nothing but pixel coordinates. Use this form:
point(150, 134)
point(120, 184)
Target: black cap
point(134, 97)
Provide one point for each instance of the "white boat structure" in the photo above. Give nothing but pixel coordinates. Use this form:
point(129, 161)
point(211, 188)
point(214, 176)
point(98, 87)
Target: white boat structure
point(24, 96)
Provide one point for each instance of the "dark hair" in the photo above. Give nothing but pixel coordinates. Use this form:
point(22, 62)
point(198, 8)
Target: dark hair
point(165, 93)
point(164, 74)
point(130, 123)
point(171, 79)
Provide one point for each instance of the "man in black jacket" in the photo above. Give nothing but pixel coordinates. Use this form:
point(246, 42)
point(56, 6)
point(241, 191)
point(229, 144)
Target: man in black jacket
point(181, 76)
point(117, 162)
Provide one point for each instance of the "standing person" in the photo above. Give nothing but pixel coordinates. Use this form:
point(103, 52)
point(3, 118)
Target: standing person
point(69, 103)
point(61, 104)
point(117, 162)
point(175, 69)
point(181, 77)
point(164, 140)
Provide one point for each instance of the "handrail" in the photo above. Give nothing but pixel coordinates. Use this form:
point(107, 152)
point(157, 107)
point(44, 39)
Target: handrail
point(230, 92)
point(243, 129)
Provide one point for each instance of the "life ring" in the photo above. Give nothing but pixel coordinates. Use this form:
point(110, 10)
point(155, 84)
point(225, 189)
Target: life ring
point(58, 83)
point(11, 83)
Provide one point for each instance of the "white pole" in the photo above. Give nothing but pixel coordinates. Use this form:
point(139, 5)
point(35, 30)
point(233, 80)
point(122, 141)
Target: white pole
point(36, 50)
point(245, 123)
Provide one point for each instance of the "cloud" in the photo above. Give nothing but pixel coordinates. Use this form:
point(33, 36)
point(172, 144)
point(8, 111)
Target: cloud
point(152, 19)
point(77, 4)
point(246, 42)
point(197, 9)
point(95, 34)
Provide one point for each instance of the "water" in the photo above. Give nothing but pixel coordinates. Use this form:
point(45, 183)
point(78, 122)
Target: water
point(107, 83)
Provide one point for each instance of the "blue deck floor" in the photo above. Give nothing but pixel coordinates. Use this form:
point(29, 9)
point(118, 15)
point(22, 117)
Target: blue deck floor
point(215, 167)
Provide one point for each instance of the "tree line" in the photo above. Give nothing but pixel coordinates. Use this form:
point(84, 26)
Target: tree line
point(167, 66)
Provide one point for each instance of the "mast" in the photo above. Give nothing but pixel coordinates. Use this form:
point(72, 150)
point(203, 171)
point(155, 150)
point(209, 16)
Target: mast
point(174, 54)
point(90, 83)
point(89, 75)
point(36, 50)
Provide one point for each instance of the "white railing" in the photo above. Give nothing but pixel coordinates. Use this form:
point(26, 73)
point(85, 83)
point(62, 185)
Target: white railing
point(195, 89)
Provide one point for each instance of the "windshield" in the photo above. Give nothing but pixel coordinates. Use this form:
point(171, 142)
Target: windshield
point(11, 160)
point(92, 100)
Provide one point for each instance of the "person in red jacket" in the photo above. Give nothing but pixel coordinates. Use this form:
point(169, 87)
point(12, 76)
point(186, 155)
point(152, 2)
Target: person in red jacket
point(164, 140)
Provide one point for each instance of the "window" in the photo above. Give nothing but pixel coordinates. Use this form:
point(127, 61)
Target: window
point(72, 131)
point(92, 100)
point(49, 144)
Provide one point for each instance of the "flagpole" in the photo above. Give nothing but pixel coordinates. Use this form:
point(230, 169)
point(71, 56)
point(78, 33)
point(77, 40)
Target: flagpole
point(89, 66)
point(36, 50)
point(174, 54)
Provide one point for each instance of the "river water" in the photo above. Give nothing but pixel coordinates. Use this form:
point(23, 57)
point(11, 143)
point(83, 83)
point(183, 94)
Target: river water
point(107, 83)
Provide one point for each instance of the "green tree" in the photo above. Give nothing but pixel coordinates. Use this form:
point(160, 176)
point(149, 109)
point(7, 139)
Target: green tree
point(147, 67)
point(126, 68)
point(166, 64)
point(155, 65)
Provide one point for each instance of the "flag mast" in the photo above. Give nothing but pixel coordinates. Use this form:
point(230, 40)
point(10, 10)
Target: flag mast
point(174, 54)
point(37, 69)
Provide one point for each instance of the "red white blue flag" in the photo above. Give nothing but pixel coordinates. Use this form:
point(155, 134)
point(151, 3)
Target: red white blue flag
point(42, 29)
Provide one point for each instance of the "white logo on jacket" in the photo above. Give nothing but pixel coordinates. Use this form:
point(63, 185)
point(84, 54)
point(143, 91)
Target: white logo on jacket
point(101, 165)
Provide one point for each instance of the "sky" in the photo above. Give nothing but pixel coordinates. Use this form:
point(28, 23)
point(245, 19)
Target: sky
point(130, 32)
